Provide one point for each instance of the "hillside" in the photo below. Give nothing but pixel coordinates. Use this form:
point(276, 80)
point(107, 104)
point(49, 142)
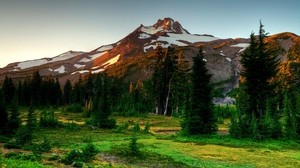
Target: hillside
point(130, 56)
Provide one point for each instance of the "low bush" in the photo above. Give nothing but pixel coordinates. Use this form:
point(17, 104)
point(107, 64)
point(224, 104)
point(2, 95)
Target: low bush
point(74, 108)
point(48, 120)
point(24, 135)
point(45, 146)
point(134, 149)
point(83, 155)
point(23, 156)
point(136, 127)
point(147, 128)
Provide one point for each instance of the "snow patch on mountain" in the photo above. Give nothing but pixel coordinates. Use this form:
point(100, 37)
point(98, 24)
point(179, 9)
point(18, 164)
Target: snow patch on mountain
point(81, 72)
point(241, 45)
point(151, 30)
point(61, 69)
point(79, 65)
point(39, 62)
point(32, 63)
point(144, 36)
point(85, 60)
point(66, 56)
point(105, 48)
point(177, 38)
point(92, 57)
point(97, 71)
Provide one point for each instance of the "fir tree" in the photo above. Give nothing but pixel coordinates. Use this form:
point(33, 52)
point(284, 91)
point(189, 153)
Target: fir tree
point(31, 118)
point(8, 89)
point(67, 92)
point(35, 88)
point(3, 113)
point(200, 118)
point(14, 119)
point(260, 65)
point(101, 103)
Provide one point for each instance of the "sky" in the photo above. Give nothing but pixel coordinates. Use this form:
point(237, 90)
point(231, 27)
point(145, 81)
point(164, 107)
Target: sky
point(33, 29)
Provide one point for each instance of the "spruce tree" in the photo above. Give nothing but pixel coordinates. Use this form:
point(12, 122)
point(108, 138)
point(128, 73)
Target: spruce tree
point(31, 118)
point(67, 92)
point(8, 89)
point(14, 119)
point(101, 103)
point(200, 118)
point(260, 64)
point(3, 113)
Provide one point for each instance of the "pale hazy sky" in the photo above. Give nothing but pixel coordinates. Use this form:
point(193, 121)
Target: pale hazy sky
point(31, 29)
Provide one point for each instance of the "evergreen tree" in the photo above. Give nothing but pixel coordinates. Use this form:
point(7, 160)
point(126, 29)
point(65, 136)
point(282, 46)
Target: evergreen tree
point(3, 113)
point(157, 80)
point(31, 118)
point(259, 67)
point(101, 103)
point(58, 94)
point(200, 118)
point(67, 92)
point(164, 71)
point(8, 90)
point(35, 88)
point(14, 119)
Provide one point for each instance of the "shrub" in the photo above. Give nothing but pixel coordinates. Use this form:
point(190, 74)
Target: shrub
point(122, 127)
point(147, 128)
point(24, 135)
point(110, 123)
point(74, 108)
point(48, 120)
point(71, 126)
point(133, 146)
point(136, 127)
point(22, 156)
point(45, 146)
point(85, 154)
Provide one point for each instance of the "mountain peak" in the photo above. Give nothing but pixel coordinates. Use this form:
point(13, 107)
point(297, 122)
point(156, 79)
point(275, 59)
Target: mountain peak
point(166, 25)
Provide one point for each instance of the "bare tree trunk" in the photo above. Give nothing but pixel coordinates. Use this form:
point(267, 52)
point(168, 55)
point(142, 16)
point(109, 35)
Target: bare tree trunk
point(167, 98)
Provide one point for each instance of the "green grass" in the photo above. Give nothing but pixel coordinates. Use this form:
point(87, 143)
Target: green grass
point(15, 163)
point(158, 150)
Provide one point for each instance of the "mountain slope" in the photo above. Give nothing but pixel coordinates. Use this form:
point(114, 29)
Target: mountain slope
point(131, 56)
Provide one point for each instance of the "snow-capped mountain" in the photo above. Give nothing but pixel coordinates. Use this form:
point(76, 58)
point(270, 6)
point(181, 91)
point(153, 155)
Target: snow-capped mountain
point(129, 56)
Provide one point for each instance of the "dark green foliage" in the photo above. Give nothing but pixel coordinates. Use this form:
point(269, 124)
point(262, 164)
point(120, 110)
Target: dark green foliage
point(133, 146)
point(24, 135)
point(200, 118)
point(3, 113)
point(75, 108)
point(71, 126)
point(8, 89)
point(45, 146)
point(147, 128)
point(168, 81)
point(258, 118)
point(22, 156)
point(31, 118)
point(48, 120)
point(136, 127)
point(14, 119)
point(221, 112)
point(67, 92)
point(35, 88)
point(85, 154)
point(102, 103)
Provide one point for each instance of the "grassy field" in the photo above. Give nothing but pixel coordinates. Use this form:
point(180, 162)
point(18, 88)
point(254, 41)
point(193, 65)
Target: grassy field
point(159, 148)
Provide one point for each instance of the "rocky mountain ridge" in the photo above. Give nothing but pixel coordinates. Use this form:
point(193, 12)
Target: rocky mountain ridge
point(129, 57)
